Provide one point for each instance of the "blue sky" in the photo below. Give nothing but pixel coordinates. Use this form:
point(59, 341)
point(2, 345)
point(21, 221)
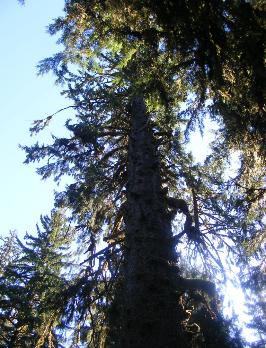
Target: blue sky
point(25, 97)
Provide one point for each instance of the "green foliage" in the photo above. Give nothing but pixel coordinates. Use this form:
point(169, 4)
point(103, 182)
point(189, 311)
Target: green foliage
point(253, 281)
point(207, 47)
point(31, 286)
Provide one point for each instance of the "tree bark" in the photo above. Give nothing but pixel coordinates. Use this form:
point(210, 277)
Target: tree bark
point(151, 313)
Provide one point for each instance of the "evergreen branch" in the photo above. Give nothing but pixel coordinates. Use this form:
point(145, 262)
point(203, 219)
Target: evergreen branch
point(101, 252)
point(39, 125)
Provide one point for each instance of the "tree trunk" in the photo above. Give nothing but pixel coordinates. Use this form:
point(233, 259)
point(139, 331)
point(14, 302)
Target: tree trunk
point(151, 313)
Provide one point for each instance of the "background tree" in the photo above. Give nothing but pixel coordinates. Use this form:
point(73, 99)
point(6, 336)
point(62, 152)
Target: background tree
point(32, 284)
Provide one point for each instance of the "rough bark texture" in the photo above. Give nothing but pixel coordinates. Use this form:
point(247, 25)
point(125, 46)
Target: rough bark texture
point(151, 314)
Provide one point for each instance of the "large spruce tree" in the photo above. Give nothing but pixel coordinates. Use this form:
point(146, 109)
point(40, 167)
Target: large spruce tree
point(142, 75)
